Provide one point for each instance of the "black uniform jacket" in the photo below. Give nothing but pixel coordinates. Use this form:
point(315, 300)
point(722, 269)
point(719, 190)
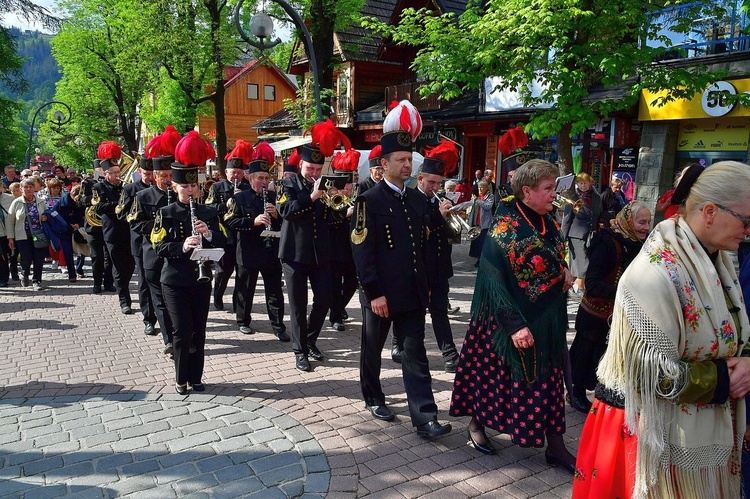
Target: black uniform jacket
point(142, 215)
point(252, 251)
point(113, 229)
point(390, 260)
point(304, 230)
point(171, 227)
point(338, 228)
point(124, 208)
point(439, 249)
point(218, 196)
point(366, 185)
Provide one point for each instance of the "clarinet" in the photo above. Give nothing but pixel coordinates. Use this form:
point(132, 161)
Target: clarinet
point(268, 225)
point(203, 272)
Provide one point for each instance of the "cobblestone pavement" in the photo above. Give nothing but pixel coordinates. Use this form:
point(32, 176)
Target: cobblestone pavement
point(87, 408)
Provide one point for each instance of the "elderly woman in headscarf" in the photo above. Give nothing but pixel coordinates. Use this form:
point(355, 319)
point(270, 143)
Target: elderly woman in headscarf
point(669, 413)
point(510, 371)
point(611, 252)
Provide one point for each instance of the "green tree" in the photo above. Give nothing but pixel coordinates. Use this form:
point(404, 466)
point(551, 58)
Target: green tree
point(564, 45)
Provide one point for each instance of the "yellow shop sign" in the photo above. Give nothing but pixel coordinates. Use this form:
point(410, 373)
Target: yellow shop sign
point(714, 134)
point(711, 103)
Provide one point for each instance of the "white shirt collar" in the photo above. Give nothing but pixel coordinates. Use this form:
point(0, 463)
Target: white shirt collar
point(392, 186)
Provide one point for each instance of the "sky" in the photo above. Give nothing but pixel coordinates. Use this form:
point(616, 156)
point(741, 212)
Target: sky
point(12, 20)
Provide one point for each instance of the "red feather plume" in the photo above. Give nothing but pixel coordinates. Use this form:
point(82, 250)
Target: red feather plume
point(347, 161)
point(376, 152)
point(404, 117)
point(109, 150)
point(243, 150)
point(264, 151)
point(448, 153)
point(393, 104)
point(327, 137)
point(193, 150)
point(294, 159)
point(512, 140)
point(163, 144)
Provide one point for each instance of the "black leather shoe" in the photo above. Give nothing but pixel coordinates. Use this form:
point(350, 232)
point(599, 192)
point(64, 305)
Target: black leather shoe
point(337, 326)
point(25, 282)
point(168, 349)
point(110, 289)
point(218, 305)
point(315, 353)
point(344, 315)
point(433, 429)
point(282, 336)
point(553, 460)
point(302, 363)
point(199, 387)
point(149, 329)
point(97, 290)
point(125, 309)
point(396, 354)
point(381, 412)
point(451, 365)
point(246, 330)
point(181, 390)
point(486, 447)
point(579, 403)
point(453, 310)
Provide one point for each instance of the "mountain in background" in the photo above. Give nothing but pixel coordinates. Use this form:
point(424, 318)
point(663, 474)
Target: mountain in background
point(40, 68)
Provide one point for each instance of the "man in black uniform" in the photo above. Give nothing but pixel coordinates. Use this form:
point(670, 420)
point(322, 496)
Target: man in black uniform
point(116, 232)
point(218, 196)
point(376, 170)
point(304, 251)
point(438, 262)
point(388, 229)
point(101, 263)
point(147, 204)
point(252, 212)
point(123, 210)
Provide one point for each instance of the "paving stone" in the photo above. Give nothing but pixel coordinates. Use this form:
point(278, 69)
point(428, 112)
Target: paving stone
point(195, 484)
point(140, 468)
point(175, 473)
point(232, 473)
point(42, 465)
point(237, 488)
point(214, 463)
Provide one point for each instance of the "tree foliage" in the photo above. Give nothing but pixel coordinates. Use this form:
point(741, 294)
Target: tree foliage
point(566, 46)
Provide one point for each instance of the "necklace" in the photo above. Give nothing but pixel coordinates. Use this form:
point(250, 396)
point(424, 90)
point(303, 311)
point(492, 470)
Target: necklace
point(544, 225)
point(522, 356)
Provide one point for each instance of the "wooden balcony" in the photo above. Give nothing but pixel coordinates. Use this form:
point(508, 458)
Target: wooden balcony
point(410, 91)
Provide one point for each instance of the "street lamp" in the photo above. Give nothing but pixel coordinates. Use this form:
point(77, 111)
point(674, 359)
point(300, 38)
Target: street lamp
point(261, 26)
point(59, 117)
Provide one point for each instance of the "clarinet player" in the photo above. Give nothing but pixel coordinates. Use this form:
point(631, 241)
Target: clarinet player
point(178, 230)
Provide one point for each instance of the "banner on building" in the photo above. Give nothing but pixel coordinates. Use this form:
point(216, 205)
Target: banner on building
point(716, 134)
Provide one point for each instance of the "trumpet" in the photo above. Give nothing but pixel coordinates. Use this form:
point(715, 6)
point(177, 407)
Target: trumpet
point(203, 272)
point(456, 223)
point(560, 202)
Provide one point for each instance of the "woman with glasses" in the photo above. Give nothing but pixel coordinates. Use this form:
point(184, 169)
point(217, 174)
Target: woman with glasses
point(23, 227)
point(669, 414)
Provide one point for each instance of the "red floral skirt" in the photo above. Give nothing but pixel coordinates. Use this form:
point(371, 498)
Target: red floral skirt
point(605, 466)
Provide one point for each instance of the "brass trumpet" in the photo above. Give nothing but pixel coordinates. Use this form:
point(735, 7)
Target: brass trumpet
point(457, 224)
point(561, 201)
point(337, 202)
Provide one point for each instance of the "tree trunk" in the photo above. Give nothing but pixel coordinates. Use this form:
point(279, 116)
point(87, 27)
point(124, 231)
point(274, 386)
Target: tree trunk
point(322, 35)
point(564, 150)
point(218, 98)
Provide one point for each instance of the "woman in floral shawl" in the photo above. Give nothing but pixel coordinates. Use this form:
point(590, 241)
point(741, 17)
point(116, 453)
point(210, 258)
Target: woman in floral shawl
point(510, 373)
point(669, 416)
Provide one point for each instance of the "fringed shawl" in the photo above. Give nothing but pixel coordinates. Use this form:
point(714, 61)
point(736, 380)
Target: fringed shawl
point(670, 310)
point(521, 272)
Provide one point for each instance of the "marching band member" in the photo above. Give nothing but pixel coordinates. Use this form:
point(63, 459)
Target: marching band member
point(376, 170)
point(388, 230)
point(179, 228)
point(251, 212)
point(304, 247)
point(291, 165)
point(218, 196)
point(127, 198)
point(116, 232)
point(101, 262)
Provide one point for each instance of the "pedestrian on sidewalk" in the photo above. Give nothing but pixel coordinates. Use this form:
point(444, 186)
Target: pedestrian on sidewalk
point(23, 227)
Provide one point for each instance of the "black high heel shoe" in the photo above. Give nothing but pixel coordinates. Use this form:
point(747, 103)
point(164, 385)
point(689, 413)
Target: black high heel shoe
point(553, 460)
point(485, 448)
point(181, 389)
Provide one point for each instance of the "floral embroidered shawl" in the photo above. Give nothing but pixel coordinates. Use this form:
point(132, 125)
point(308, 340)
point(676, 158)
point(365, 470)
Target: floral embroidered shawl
point(670, 310)
point(521, 272)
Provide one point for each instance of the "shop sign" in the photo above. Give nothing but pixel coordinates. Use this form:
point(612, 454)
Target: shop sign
point(718, 134)
point(373, 135)
point(432, 137)
point(625, 158)
point(712, 102)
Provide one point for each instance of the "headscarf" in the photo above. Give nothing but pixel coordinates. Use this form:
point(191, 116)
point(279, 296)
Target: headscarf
point(623, 223)
point(585, 195)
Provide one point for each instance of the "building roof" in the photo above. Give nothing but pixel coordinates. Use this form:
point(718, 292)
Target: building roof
point(455, 6)
point(359, 44)
point(281, 119)
point(250, 66)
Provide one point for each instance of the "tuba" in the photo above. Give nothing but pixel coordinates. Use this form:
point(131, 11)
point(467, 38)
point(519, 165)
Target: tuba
point(560, 202)
point(456, 224)
point(92, 217)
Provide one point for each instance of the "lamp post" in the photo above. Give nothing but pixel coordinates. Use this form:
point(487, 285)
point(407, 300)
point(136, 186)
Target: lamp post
point(59, 118)
point(261, 26)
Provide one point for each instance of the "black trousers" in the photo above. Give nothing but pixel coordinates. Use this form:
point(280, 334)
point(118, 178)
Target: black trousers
point(224, 269)
point(122, 268)
point(188, 309)
point(145, 300)
point(343, 287)
point(101, 261)
point(408, 327)
point(306, 331)
point(246, 282)
point(66, 244)
point(153, 279)
point(5, 258)
point(29, 255)
point(438, 307)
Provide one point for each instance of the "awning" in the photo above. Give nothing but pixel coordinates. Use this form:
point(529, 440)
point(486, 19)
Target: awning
point(290, 143)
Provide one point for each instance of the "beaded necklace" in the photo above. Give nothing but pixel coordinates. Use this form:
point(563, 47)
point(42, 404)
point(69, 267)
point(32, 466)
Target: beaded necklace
point(544, 225)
